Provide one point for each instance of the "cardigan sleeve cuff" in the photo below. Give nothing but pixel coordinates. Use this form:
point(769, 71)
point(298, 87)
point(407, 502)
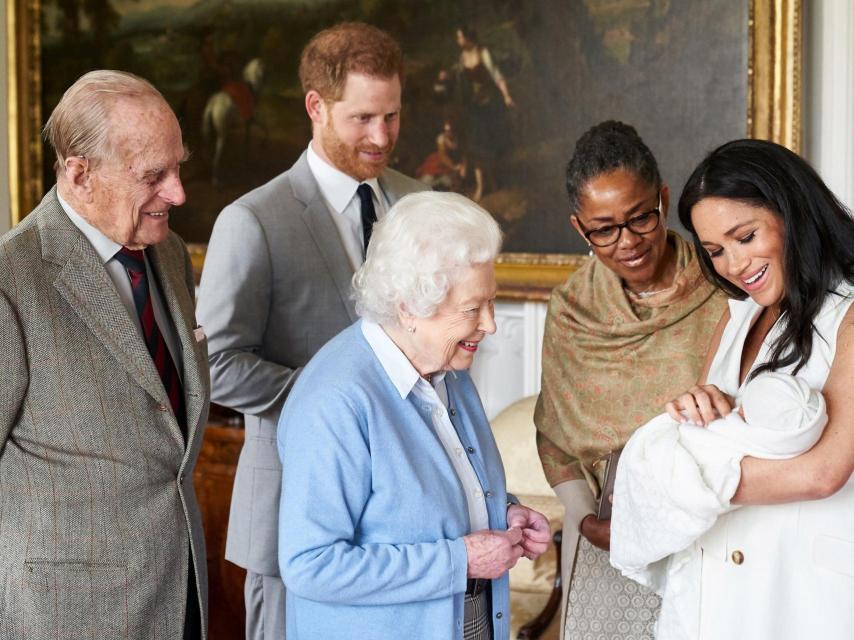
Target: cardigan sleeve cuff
point(459, 565)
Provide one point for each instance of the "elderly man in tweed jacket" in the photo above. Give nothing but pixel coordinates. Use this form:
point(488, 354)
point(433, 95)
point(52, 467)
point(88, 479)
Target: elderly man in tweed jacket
point(105, 388)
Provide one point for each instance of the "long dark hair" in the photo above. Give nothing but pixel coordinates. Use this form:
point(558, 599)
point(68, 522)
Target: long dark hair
point(819, 232)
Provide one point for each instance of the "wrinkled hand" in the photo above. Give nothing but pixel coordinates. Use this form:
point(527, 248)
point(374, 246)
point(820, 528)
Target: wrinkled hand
point(492, 553)
point(701, 405)
point(597, 531)
point(535, 529)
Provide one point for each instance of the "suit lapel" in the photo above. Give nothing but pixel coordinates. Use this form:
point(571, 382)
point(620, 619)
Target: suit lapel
point(86, 286)
point(390, 188)
point(180, 307)
point(84, 283)
point(324, 232)
point(319, 222)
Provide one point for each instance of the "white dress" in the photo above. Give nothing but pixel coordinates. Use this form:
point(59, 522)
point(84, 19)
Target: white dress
point(781, 572)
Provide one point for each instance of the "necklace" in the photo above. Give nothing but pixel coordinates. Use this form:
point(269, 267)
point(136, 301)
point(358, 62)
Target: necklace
point(646, 294)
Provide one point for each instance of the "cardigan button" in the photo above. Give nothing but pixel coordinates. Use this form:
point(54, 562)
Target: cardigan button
point(453, 412)
point(737, 557)
point(499, 615)
point(470, 449)
point(488, 494)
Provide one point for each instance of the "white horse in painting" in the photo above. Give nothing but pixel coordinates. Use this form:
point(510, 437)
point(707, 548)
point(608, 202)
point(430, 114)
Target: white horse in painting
point(221, 114)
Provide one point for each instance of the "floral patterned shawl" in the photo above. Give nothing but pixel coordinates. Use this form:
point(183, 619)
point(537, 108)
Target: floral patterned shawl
point(611, 360)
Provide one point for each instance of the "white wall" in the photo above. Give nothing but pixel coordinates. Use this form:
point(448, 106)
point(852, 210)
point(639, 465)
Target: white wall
point(508, 365)
point(829, 93)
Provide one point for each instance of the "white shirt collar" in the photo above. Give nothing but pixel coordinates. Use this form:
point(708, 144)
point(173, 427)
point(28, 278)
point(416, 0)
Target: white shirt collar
point(396, 365)
point(104, 247)
point(336, 186)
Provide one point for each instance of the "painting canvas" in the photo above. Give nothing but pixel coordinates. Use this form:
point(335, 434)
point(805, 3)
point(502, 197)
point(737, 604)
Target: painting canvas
point(497, 91)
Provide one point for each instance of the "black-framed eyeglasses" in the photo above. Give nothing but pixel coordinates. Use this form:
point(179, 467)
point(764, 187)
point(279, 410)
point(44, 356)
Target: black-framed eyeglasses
point(641, 224)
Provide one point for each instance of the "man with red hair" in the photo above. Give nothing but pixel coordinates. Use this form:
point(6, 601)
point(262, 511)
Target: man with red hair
point(276, 283)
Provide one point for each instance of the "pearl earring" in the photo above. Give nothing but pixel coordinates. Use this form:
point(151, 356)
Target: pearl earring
point(410, 329)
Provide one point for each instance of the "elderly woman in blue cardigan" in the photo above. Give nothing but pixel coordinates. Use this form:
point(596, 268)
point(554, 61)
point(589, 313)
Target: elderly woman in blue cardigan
point(394, 519)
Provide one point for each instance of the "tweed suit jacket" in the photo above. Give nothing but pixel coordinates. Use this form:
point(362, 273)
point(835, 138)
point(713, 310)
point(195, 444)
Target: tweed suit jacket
point(99, 523)
point(275, 288)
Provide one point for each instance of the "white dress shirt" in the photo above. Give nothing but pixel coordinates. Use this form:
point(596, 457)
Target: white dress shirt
point(106, 250)
point(339, 191)
point(434, 397)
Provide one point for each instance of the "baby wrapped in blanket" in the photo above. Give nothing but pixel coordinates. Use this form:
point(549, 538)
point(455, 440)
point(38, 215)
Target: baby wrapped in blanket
point(675, 479)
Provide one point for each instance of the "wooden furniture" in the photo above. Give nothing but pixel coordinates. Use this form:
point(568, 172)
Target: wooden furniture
point(535, 587)
point(213, 479)
point(535, 629)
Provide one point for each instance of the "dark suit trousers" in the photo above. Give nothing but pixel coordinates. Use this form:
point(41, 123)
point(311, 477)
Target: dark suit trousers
point(192, 618)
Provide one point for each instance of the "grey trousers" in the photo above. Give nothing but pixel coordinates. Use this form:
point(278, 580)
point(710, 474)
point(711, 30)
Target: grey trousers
point(265, 607)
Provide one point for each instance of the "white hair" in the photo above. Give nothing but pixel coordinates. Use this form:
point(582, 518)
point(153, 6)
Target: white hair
point(80, 123)
point(418, 252)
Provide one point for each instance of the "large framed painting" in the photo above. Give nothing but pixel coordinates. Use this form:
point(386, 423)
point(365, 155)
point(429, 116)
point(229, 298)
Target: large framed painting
point(497, 92)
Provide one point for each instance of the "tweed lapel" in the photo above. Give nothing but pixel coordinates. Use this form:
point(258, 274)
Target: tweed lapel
point(324, 232)
point(85, 284)
point(168, 266)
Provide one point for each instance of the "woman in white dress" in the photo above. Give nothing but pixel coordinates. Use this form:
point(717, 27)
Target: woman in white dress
point(773, 236)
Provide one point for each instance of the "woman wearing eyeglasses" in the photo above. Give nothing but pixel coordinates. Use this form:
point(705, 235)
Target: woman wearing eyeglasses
point(624, 334)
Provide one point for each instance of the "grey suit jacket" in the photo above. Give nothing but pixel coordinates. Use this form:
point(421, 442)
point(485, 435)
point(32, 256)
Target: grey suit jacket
point(97, 509)
point(275, 288)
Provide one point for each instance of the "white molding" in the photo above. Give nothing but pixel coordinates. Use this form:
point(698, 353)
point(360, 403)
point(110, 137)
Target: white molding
point(535, 321)
point(830, 94)
point(507, 366)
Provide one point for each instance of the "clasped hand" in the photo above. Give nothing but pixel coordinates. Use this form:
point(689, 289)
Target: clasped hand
point(492, 553)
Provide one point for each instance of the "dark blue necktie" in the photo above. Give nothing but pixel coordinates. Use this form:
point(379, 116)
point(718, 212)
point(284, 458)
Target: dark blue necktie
point(369, 215)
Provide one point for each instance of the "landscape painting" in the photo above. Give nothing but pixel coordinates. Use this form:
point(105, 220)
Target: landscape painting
point(496, 93)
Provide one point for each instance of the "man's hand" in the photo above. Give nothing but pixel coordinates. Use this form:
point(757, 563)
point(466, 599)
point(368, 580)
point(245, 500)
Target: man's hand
point(535, 529)
point(492, 553)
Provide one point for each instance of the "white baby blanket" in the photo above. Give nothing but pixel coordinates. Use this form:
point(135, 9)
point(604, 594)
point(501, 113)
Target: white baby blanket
point(673, 481)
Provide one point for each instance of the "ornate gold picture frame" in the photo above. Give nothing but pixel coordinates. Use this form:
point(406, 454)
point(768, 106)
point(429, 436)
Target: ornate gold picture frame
point(772, 112)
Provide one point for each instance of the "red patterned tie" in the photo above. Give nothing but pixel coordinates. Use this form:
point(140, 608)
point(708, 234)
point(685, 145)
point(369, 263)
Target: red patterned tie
point(134, 263)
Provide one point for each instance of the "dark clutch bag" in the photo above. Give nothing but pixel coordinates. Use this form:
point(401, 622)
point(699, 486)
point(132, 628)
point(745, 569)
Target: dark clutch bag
point(604, 512)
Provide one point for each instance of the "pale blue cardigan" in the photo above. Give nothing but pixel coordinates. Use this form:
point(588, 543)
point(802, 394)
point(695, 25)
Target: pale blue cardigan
point(372, 513)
